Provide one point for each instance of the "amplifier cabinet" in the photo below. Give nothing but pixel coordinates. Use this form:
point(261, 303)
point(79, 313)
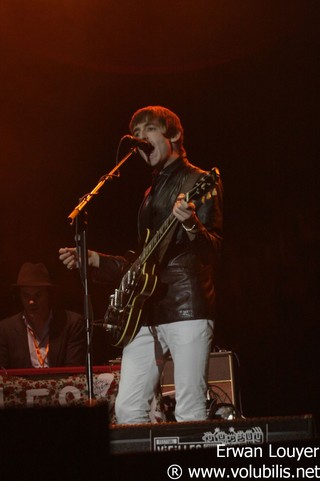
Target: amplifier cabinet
point(221, 378)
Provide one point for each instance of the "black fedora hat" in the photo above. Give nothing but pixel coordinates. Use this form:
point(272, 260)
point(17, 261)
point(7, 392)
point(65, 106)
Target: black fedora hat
point(33, 275)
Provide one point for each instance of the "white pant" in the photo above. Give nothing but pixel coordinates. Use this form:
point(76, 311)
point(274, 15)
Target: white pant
point(189, 343)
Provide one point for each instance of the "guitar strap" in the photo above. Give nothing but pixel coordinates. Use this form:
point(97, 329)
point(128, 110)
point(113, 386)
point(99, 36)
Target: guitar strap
point(186, 186)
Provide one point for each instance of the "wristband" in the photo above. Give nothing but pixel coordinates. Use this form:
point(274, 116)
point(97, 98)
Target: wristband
point(189, 229)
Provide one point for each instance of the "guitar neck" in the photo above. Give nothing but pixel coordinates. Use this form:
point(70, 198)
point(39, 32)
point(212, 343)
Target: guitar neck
point(202, 187)
point(150, 247)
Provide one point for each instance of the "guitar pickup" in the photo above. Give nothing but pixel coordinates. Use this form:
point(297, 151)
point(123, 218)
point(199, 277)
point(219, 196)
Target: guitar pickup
point(118, 297)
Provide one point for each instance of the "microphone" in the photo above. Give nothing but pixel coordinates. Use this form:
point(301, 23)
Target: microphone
point(142, 144)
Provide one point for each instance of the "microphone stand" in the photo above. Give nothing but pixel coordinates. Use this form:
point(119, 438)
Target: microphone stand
point(81, 241)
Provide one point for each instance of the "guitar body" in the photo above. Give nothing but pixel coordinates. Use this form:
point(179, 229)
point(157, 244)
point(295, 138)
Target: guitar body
point(123, 315)
point(124, 319)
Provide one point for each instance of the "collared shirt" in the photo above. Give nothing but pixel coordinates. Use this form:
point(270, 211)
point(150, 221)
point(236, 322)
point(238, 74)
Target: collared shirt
point(38, 346)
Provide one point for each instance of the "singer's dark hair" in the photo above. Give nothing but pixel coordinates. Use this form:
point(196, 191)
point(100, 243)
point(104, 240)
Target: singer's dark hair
point(168, 119)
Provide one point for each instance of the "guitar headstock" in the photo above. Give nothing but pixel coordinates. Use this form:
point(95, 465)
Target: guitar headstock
point(204, 188)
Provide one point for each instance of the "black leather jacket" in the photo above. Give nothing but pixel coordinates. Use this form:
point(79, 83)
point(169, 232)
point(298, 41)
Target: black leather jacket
point(185, 287)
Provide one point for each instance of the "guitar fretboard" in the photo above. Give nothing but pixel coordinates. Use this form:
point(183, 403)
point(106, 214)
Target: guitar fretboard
point(201, 187)
point(156, 239)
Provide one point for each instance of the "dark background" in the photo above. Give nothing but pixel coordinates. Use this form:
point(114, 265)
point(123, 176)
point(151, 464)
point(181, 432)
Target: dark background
point(243, 77)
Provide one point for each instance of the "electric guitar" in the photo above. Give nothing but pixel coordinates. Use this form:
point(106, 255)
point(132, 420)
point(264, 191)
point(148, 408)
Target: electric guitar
point(123, 315)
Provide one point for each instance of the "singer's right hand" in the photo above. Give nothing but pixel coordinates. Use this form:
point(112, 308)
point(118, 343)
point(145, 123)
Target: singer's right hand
point(68, 255)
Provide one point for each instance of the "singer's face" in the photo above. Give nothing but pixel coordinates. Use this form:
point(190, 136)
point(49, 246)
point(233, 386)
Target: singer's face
point(164, 151)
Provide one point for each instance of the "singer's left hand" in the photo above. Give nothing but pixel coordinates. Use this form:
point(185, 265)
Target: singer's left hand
point(184, 211)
